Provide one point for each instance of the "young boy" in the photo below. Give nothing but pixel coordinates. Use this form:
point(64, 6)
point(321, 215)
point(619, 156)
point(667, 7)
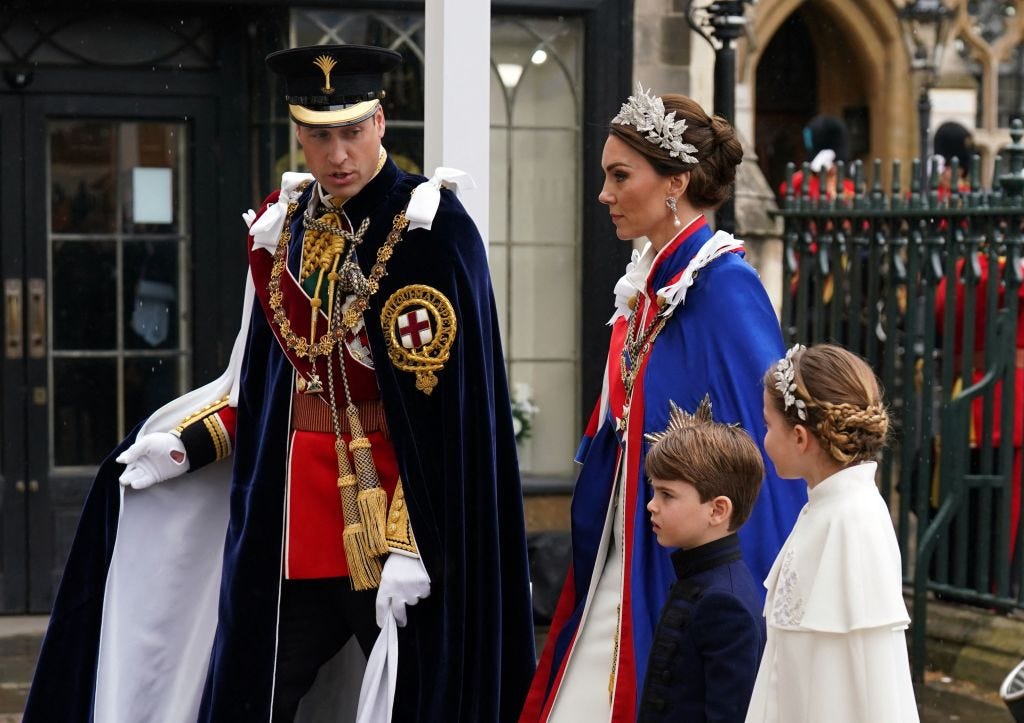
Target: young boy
point(709, 639)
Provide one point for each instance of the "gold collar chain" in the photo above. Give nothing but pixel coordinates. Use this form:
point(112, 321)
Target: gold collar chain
point(635, 349)
point(305, 348)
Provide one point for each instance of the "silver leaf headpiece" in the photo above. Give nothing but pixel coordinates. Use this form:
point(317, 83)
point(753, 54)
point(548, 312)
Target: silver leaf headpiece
point(680, 418)
point(647, 114)
point(785, 382)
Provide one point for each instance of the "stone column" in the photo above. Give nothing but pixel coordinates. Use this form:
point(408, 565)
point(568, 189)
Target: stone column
point(761, 232)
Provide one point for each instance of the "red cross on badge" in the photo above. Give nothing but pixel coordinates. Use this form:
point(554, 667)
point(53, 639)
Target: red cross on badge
point(419, 329)
point(359, 347)
point(414, 329)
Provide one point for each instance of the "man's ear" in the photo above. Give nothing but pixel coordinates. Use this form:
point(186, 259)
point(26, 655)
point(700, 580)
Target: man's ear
point(378, 122)
point(721, 511)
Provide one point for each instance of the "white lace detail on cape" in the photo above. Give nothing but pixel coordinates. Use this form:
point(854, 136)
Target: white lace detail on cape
point(788, 607)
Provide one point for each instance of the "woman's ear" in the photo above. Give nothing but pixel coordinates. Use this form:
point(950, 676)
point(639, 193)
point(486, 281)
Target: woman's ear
point(677, 184)
point(802, 437)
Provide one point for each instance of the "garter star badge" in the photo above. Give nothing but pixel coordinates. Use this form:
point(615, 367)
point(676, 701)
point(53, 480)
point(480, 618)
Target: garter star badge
point(419, 328)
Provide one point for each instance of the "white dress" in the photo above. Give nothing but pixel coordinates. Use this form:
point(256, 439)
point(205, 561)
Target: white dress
point(584, 692)
point(836, 648)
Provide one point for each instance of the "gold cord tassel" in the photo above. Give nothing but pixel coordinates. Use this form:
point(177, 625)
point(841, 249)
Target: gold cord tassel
point(372, 500)
point(364, 567)
point(373, 510)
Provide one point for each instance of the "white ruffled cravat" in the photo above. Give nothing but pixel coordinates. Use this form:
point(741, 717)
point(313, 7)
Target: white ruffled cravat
point(720, 243)
point(634, 281)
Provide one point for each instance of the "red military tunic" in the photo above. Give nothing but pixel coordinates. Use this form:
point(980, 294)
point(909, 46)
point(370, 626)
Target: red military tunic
point(314, 518)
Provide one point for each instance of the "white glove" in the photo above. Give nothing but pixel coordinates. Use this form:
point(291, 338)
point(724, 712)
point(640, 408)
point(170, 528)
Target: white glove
point(153, 458)
point(404, 581)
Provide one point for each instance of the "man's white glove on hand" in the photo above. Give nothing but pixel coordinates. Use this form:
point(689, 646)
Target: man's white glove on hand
point(404, 581)
point(153, 458)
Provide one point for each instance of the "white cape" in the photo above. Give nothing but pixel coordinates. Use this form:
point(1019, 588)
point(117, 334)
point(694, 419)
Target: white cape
point(836, 648)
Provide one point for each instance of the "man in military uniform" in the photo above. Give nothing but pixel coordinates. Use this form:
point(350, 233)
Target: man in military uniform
point(356, 458)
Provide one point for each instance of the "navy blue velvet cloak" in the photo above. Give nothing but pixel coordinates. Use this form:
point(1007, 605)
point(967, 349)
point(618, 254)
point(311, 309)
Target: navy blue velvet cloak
point(467, 652)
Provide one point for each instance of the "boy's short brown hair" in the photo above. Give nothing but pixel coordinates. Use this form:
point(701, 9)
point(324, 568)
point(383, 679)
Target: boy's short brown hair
point(717, 459)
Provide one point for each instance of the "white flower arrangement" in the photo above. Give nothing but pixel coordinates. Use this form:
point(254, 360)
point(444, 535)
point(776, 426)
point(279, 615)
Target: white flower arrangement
point(523, 410)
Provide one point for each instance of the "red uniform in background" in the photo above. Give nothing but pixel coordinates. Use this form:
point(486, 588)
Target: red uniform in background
point(814, 186)
point(977, 411)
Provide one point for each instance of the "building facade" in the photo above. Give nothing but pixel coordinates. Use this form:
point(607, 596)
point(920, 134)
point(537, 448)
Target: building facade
point(133, 135)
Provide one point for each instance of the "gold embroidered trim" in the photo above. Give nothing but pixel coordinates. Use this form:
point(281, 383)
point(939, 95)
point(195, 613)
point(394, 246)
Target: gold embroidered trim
point(199, 414)
point(399, 529)
point(221, 441)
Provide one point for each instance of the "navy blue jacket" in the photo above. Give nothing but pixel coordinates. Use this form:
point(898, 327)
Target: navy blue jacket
point(709, 639)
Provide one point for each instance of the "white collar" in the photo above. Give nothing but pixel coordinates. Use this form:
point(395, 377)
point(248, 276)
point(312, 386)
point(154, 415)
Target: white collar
point(638, 271)
point(854, 476)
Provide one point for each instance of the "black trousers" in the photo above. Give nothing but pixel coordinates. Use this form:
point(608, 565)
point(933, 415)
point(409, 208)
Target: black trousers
point(317, 618)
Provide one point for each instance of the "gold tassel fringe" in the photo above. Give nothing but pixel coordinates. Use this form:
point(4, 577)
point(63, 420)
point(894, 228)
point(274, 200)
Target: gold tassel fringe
point(373, 512)
point(363, 569)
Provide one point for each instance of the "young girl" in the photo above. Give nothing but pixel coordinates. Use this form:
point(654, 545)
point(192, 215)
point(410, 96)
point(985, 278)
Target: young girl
point(836, 649)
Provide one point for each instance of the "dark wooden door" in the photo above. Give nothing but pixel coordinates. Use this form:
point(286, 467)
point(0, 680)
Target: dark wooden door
point(98, 222)
point(14, 382)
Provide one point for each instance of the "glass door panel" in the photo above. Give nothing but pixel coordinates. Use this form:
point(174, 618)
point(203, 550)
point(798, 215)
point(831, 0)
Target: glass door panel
point(96, 253)
point(117, 255)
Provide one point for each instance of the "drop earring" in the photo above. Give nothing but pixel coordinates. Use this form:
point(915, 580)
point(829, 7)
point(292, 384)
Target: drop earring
point(671, 203)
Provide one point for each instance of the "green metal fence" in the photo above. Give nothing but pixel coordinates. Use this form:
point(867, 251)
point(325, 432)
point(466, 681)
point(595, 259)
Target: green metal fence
point(924, 283)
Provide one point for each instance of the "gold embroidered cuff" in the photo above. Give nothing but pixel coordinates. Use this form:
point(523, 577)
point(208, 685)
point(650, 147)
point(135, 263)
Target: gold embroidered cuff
point(399, 528)
point(203, 433)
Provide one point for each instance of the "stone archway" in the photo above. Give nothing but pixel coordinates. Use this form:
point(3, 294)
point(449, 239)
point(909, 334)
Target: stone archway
point(860, 69)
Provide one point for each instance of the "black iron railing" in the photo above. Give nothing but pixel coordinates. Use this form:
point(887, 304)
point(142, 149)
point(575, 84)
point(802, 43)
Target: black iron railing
point(924, 283)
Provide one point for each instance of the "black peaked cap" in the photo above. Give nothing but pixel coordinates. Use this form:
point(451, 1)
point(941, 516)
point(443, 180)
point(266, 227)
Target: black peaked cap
point(331, 77)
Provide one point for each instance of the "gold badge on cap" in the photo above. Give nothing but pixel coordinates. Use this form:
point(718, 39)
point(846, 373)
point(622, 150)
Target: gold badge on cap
point(419, 328)
point(326, 63)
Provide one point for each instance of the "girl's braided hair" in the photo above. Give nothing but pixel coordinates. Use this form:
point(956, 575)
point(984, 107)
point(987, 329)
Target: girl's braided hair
point(842, 402)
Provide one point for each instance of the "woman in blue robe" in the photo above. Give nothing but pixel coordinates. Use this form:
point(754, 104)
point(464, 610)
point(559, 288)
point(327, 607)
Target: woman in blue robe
point(691, 319)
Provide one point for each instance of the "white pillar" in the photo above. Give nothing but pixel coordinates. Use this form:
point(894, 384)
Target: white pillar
point(457, 103)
